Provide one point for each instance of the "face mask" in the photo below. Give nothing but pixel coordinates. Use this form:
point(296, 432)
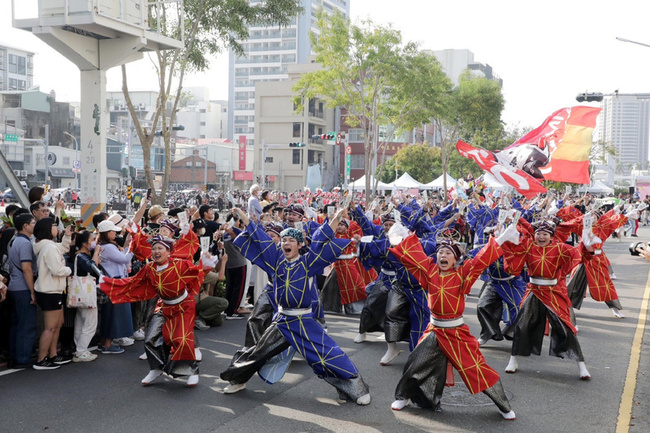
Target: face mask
point(93, 244)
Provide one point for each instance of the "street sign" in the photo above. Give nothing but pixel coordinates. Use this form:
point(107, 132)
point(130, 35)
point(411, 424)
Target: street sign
point(347, 165)
point(339, 138)
point(51, 158)
point(11, 137)
point(76, 166)
point(348, 150)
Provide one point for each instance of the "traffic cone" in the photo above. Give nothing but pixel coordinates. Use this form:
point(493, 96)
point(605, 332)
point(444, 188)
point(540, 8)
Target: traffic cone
point(3, 202)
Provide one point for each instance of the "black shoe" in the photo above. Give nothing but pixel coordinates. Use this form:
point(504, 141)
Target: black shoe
point(45, 364)
point(634, 235)
point(60, 360)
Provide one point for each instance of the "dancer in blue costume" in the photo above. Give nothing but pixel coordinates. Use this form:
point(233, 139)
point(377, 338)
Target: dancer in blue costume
point(499, 300)
point(294, 324)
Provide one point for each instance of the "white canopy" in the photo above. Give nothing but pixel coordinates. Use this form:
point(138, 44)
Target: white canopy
point(438, 183)
point(598, 187)
point(405, 181)
point(493, 183)
point(360, 184)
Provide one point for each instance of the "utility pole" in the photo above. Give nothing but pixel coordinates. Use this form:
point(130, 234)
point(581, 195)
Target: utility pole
point(47, 153)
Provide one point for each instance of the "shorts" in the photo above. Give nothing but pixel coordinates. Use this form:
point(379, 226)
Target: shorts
point(50, 301)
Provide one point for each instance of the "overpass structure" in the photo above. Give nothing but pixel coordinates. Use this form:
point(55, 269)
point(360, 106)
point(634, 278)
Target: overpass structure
point(97, 35)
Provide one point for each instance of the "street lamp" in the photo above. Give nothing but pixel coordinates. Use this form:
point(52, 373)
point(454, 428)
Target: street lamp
point(632, 42)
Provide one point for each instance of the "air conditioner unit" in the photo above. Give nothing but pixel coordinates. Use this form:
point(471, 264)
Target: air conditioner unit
point(142, 106)
point(23, 173)
point(17, 173)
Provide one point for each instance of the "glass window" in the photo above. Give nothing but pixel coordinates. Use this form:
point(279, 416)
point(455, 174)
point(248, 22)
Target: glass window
point(296, 156)
point(357, 162)
point(296, 129)
point(355, 135)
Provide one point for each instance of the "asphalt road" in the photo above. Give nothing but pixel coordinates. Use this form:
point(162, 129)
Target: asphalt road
point(546, 394)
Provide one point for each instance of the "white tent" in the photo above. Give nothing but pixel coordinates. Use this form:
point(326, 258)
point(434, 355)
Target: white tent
point(405, 181)
point(438, 183)
point(491, 182)
point(598, 187)
point(360, 184)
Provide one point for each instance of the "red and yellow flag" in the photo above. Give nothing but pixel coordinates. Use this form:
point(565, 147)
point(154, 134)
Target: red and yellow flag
point(566, 137)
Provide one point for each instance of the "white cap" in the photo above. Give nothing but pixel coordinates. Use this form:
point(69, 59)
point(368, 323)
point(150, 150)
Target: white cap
point(108, 226)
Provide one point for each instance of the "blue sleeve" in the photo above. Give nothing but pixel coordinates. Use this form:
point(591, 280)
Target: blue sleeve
point(367, 226)
point(258, 247)
point(324, 249)
point(446, 212)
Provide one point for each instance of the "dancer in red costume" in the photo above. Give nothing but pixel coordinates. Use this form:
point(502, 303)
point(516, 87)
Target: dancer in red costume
point(549, 262)
point(447, 338)
point(594, 272)
point(351, 276)
point(177, 282)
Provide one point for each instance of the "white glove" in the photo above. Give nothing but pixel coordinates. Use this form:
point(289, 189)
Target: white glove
point(397, 233)
point(510, 234)
point(370, 215)
point(208, 261)
point(309, 212)
point(553, 210)
point(589, 238)
point(101, 279)
point(617, 210)
point(185, 229)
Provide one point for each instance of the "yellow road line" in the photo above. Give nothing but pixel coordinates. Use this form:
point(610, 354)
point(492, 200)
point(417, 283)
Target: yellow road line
point(627, 399)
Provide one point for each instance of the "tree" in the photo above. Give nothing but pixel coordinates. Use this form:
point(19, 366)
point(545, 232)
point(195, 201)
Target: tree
point(472, 112)
point(379, 81)
point(207, 27)
point(419, 160)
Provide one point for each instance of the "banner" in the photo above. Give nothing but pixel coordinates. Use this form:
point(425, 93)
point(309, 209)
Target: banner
point(525, 184)
point(558, 149)
point(242, 153)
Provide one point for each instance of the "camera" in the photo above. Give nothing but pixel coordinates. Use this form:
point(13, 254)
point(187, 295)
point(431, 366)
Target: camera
point(635, 245)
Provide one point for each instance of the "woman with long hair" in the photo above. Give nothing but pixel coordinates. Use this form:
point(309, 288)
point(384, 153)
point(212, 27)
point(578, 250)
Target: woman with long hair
point(49, 288)
point(116, 320)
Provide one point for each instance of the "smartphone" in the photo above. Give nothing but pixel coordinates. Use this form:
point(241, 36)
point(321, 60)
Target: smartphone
point(149, 193)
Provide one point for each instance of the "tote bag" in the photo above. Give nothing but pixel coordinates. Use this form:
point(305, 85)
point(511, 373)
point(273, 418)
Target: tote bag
point(82, 291)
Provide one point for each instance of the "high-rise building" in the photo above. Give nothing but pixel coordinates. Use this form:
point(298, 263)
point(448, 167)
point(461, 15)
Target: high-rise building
point(16, 69)
point(624, 124)
point(455, 62)
point(267, 54)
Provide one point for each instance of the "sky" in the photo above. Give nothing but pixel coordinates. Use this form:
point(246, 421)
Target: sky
point(546, 52)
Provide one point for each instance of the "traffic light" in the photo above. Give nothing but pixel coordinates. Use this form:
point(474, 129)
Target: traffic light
point(128, 192)
point(259, 180)
point(266, 180)
point(174, 128)
point(589, 97)
point(132, 172)
point(296, 144)
point(329, 136)
point(205, 188)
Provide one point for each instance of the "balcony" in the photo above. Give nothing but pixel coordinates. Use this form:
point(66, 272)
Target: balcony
point(316, 113)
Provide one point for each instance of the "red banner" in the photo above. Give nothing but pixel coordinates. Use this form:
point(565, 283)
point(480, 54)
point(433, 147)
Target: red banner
point(507, 175)
point(242, 152)
point(559, 148)
point(243, 175)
